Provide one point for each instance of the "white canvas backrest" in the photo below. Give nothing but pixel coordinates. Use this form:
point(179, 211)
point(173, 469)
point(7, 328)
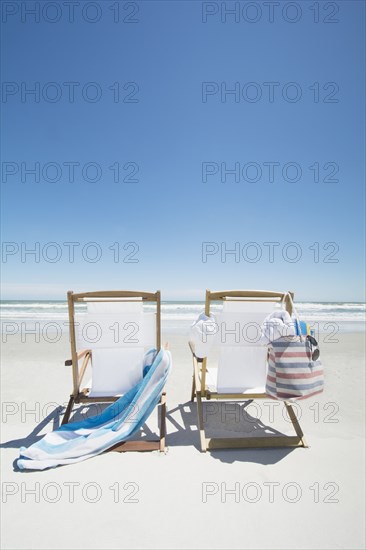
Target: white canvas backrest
point(116, 325)
point(242, 364)
point(118, 333)
point(239, 323)
point(115, 307)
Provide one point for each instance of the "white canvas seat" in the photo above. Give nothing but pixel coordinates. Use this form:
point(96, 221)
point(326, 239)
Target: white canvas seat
point(115, 371)
point(235, 366)
point(246, 387)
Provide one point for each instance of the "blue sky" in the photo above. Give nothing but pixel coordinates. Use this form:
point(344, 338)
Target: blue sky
point(168, 133)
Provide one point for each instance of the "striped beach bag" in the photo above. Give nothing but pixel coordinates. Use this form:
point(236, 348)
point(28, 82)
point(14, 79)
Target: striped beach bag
point(294, 369)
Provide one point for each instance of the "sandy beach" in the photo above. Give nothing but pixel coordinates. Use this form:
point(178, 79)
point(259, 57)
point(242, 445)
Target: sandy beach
point(302, 498)
point(162, 162)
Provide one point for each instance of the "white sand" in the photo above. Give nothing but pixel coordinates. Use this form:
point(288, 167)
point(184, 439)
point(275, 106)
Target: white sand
point(318, 493)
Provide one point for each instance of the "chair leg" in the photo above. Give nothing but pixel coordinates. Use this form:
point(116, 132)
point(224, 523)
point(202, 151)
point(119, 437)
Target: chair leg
point(68, 410)
point(295, 423)
point(200, 423)
point(193, 393)
point(162, 422)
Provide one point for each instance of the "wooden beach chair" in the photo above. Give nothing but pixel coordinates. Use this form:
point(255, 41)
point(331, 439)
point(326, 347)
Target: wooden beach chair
point(241, 369)
point(108, 342)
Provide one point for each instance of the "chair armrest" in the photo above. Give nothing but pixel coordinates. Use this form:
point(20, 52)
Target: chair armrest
point(198, 359)
point(79, 355)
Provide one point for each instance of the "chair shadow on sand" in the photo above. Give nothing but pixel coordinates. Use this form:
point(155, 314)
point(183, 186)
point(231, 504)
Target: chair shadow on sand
point(53, 417)
point(242, 423)
point(182, 431)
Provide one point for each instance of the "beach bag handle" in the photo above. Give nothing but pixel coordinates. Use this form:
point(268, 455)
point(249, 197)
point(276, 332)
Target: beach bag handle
point(295, 313)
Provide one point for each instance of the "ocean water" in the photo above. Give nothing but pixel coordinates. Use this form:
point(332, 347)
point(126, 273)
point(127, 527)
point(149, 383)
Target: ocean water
point(178, 316)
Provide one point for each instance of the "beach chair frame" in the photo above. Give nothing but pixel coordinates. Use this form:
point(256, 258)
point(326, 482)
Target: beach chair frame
point(80, 396)
point(202, 393)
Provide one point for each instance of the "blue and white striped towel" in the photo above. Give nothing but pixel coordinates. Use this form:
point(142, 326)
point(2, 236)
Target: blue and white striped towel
point(78, 441)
